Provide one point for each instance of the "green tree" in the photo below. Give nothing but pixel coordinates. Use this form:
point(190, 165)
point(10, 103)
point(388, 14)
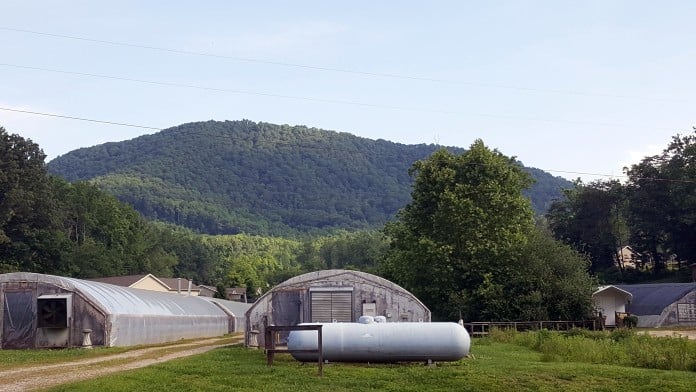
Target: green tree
point(663, 202)
point(552, 281)
point(27, 223)
point(105, 237)
point(456, 244)
point(360, 250)
point(591, 219)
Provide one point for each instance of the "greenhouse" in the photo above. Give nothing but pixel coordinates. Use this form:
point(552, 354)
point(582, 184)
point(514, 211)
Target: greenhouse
point(235, 310)
point(44, 311)
point(331, 296)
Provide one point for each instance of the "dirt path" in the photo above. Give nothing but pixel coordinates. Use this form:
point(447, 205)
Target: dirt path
point(682, 334)
point(35, 377)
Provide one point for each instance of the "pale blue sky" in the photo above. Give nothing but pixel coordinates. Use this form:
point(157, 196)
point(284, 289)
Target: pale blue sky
point(585, 86)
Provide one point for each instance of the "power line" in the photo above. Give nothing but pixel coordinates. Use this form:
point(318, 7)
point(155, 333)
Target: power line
point(318, 147)
point(310, 99)
point(337, 70)
point(80, 119)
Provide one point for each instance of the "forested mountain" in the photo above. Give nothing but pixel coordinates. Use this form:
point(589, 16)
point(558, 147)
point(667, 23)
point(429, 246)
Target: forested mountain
point(240, 176)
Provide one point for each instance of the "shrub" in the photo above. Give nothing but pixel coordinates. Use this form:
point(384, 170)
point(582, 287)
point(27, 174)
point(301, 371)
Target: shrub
point(630, 321)
point(620, 347)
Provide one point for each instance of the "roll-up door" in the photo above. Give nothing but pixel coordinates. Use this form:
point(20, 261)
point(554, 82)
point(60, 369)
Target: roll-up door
point(330, 306)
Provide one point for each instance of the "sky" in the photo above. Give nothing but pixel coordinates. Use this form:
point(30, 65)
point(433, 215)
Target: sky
point(568, 87)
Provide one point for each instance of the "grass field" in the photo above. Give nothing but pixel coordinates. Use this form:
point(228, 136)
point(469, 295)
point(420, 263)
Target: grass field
point(493, 366)
point(10, 359)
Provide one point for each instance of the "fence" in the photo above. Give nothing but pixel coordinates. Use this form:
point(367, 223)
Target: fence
point(271, 334)
point(478, 329)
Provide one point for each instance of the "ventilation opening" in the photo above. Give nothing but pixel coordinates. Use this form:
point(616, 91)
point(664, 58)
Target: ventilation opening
point(53, 311)
point(331, 306)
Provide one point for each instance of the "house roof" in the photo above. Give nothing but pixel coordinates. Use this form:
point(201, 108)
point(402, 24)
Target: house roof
point(629, 248)
point(123, 281)
point(616, 289)
point(173, 284)
point(236, 290)
point(652, 299)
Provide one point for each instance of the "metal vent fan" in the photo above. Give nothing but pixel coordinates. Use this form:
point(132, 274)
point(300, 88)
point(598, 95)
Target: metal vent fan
point(52, 312)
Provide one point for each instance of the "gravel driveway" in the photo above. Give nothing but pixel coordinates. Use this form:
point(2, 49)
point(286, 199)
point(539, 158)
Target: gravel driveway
point(34, 377)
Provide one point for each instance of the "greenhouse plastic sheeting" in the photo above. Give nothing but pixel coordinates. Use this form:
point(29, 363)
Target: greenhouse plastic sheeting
point(137, 316)
point(17, 323)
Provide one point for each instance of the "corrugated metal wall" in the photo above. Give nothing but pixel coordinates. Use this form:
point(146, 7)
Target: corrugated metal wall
point(331, 306)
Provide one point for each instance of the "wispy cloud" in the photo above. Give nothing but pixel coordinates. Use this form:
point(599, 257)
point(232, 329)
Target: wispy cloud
point(634, 156)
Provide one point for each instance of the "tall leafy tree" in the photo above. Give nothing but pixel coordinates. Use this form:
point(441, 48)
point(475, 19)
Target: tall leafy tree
point(106, 237)
point(663, 202)
point(26, 206)
point(456, 244)
point(591, 219)
point(552, 282)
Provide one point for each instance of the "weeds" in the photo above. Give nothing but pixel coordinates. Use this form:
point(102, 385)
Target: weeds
point(620, 347)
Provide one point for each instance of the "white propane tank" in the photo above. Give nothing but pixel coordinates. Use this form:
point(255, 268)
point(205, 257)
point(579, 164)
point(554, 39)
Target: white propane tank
point(383, 342)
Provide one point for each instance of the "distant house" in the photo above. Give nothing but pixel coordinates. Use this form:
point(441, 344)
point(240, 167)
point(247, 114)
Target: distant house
point(610, 301)
point(142, 281)
point(207, 291)
point(663, 304)
point(182, 286)
point(628, 257)
point(236, 294)
point(153, 283)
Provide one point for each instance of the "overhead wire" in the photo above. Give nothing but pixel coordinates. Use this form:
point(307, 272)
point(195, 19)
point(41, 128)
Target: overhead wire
point(321, 68)
point(79, 118)
point(334, 69)
point(194, 133)
point(321, 100)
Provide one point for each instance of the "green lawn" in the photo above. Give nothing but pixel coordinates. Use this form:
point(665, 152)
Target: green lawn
point(492, 367)
point(10, 359)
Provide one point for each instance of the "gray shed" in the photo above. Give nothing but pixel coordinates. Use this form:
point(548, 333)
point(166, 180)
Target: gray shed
point(52, 311)
point(332, 296)
point(663, 304)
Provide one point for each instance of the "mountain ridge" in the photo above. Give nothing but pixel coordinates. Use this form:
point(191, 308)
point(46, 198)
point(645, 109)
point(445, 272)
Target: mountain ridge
point(240, 176)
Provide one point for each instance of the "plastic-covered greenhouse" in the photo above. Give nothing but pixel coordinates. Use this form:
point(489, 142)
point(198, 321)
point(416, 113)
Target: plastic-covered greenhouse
point(52, 311)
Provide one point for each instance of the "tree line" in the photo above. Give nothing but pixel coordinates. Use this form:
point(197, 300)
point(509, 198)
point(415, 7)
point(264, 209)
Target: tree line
point(653, 212)
point(48, 225)
point(257, 178)
point(468, 244)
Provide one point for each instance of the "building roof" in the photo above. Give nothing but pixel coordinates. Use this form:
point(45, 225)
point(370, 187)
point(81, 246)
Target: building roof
point(123, 281)
point(652, 299)
point(237, 309)
point(173, 284)
point(615, 289)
